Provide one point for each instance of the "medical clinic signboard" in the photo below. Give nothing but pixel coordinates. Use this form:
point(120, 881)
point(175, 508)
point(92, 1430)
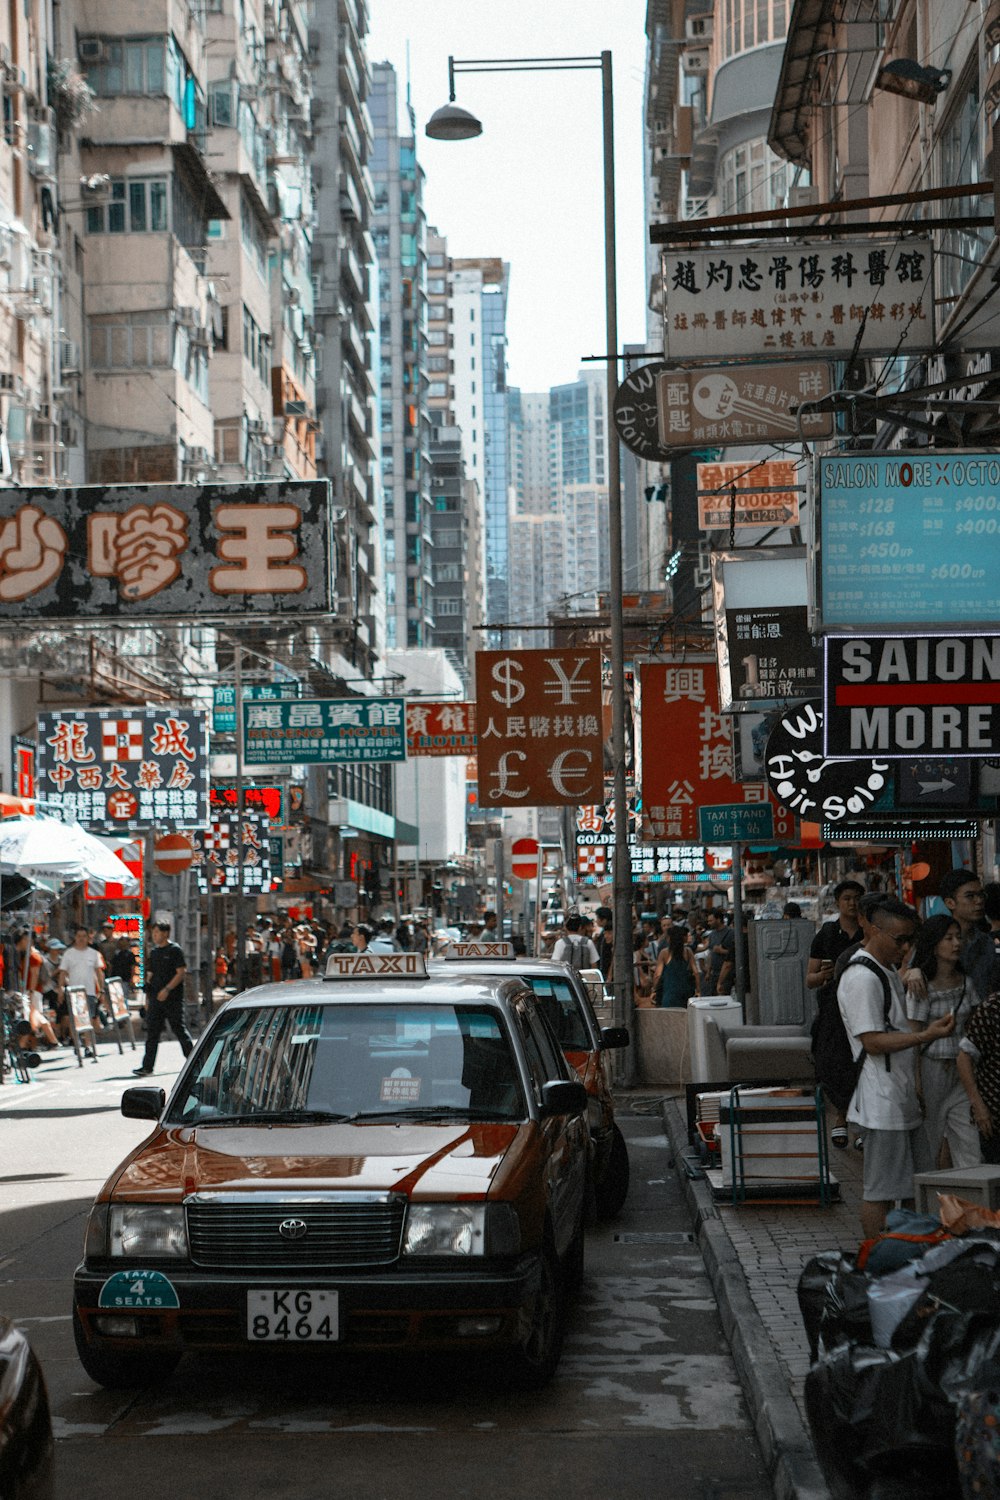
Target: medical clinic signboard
point(687, 753)
point(907, 696)
point(819, 298)
point(125, 767)
point(909, 539)
point(128, 552)
point(324, 731)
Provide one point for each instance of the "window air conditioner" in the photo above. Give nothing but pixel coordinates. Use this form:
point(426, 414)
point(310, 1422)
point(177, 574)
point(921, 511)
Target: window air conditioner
point(91, 49)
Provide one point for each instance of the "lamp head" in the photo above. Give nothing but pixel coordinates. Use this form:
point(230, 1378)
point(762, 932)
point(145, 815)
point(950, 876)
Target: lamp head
point(451, 123)
point(911, 80)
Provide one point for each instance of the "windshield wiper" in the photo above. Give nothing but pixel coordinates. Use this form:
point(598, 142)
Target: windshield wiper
point(448, 1111)
point(275, 1117)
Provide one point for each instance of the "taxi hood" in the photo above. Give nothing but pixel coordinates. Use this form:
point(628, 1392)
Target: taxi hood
point(423, 1160)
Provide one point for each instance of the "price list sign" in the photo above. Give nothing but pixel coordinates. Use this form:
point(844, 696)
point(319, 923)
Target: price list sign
point(909, 539)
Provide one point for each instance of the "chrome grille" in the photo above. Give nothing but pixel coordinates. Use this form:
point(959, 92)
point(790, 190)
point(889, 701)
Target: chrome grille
point(241, 1231)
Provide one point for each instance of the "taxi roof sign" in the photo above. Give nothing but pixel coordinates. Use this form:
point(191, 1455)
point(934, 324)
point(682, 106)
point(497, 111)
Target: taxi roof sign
point(376, 966)
point(479, 949)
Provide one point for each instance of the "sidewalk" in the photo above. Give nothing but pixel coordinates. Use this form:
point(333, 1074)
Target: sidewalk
point(754, 1254)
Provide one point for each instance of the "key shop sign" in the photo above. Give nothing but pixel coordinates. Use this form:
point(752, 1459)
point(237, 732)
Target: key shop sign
point(903, 696)
point(173, 551)
point(125, 767)
point(440, 728)
point(324, 731)
point(687, 753)
point(540, 738)
point(817, 299)
point(731, 405)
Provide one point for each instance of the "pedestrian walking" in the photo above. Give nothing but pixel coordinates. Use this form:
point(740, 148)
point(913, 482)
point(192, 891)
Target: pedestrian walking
point(830, 1048)
point(940, 1089)
point(166, 967)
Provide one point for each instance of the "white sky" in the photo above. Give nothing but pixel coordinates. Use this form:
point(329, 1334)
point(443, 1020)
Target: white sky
point(530, 188)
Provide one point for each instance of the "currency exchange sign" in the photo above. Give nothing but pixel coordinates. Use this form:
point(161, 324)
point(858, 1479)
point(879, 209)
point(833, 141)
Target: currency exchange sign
point(125, 767)
point(687, 753)
point(540, 738)
point(324, 731)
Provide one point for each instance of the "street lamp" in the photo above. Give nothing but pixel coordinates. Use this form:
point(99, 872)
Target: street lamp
point(451, 123)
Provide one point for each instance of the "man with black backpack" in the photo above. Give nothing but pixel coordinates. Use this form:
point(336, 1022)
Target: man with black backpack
point(872, 1004)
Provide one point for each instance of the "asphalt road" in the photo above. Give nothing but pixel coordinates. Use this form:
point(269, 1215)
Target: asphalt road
point(646, 1400)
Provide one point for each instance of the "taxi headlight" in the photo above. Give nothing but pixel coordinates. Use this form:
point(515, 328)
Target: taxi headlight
point(461, 1229)
point(147, 1230)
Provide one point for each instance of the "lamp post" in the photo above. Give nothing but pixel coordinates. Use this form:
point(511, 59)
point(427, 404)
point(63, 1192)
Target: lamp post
point(452, 123)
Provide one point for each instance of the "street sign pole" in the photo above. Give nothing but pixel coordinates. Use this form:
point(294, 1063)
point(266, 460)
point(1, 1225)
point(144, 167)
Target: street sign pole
point(538, 904)
point(739, 957)
point(241, 919)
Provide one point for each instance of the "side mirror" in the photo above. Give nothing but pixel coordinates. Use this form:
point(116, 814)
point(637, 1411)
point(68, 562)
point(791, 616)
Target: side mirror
point(563, 1098)
point(614, 1037)
point(143, 1104)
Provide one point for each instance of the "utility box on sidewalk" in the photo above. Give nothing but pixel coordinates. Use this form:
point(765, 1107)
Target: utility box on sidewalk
point(979, 1185)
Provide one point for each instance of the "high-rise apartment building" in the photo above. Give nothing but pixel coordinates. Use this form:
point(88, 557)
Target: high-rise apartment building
point(343, 254)
point(400, 242)
point(479, 330)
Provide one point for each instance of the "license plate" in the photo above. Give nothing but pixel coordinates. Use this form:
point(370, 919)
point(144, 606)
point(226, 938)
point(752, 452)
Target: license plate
point(293, 1317)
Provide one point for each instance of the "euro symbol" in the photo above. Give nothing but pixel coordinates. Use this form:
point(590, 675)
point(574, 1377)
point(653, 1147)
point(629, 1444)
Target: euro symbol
point(512, 691)
point(504, 775)
point(560, 772)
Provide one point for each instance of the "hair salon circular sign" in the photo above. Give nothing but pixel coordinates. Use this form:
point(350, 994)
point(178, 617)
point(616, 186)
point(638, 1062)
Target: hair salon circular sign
point(808, 784)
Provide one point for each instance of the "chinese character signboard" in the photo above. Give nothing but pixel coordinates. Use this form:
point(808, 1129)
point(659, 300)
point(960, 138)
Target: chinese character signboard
point(765, 650)
point(765, 494)
point(687, 752)
point(224, 701)
point(731, 405)
point(174, 551)
point(820, 299)
point(440, 728)
point(906, 696)
point(539, 717)
point(266, 801)
point(217, 857)
point(909, 539)
point(324, 731)
point(125, 767)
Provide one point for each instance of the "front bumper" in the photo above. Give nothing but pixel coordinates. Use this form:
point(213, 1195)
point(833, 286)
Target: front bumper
point(411, 1308)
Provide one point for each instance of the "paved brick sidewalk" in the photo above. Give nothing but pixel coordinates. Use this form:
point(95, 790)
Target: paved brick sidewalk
point(754, 1255)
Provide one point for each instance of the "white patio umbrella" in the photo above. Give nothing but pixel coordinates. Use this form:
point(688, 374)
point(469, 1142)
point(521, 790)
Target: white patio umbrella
point(45, 849)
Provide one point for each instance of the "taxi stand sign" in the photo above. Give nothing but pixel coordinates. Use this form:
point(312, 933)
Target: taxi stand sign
point(472, 950)
point(376, 966)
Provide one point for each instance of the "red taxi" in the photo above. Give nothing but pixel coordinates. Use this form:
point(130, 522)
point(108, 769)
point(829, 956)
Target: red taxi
point(565, 998)
point(371, 1159)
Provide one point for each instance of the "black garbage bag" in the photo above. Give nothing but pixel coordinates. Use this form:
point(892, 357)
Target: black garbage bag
point(969, 1283)
point(877, 1419)
point(833, 1300)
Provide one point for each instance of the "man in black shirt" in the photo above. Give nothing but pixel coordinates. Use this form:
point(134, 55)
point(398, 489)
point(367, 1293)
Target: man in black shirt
point(165, 970)
point(831, 1049)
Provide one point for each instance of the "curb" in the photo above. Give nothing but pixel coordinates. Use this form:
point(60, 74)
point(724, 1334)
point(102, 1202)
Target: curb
point(784, 1440)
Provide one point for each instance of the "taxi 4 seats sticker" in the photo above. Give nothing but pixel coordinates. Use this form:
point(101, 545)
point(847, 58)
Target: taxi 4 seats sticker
point(138, 1289)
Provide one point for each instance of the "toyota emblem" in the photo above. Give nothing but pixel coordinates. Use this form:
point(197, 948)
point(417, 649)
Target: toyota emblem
point(292, 1229)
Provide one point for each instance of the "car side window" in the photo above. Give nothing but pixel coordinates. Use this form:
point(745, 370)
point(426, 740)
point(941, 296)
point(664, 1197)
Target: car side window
point(542, 1046)
point(533, 1054)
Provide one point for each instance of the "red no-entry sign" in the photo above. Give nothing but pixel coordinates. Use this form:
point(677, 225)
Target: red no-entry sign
point(524, 858)
point(172, 853)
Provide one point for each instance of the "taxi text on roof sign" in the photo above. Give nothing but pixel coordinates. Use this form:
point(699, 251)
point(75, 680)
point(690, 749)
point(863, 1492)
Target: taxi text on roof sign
point(480, 950)
point(376, 966)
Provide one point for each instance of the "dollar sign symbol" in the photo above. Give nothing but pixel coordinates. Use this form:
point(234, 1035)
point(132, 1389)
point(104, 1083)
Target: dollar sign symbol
point(512, 691)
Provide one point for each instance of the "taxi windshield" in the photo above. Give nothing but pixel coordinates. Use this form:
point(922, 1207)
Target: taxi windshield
point(558, 1001)
point(344, 1062)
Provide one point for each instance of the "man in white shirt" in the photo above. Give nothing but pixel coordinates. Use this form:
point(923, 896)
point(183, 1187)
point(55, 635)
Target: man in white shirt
point(574, 948)
point(82, 967)
point(884, 1103)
